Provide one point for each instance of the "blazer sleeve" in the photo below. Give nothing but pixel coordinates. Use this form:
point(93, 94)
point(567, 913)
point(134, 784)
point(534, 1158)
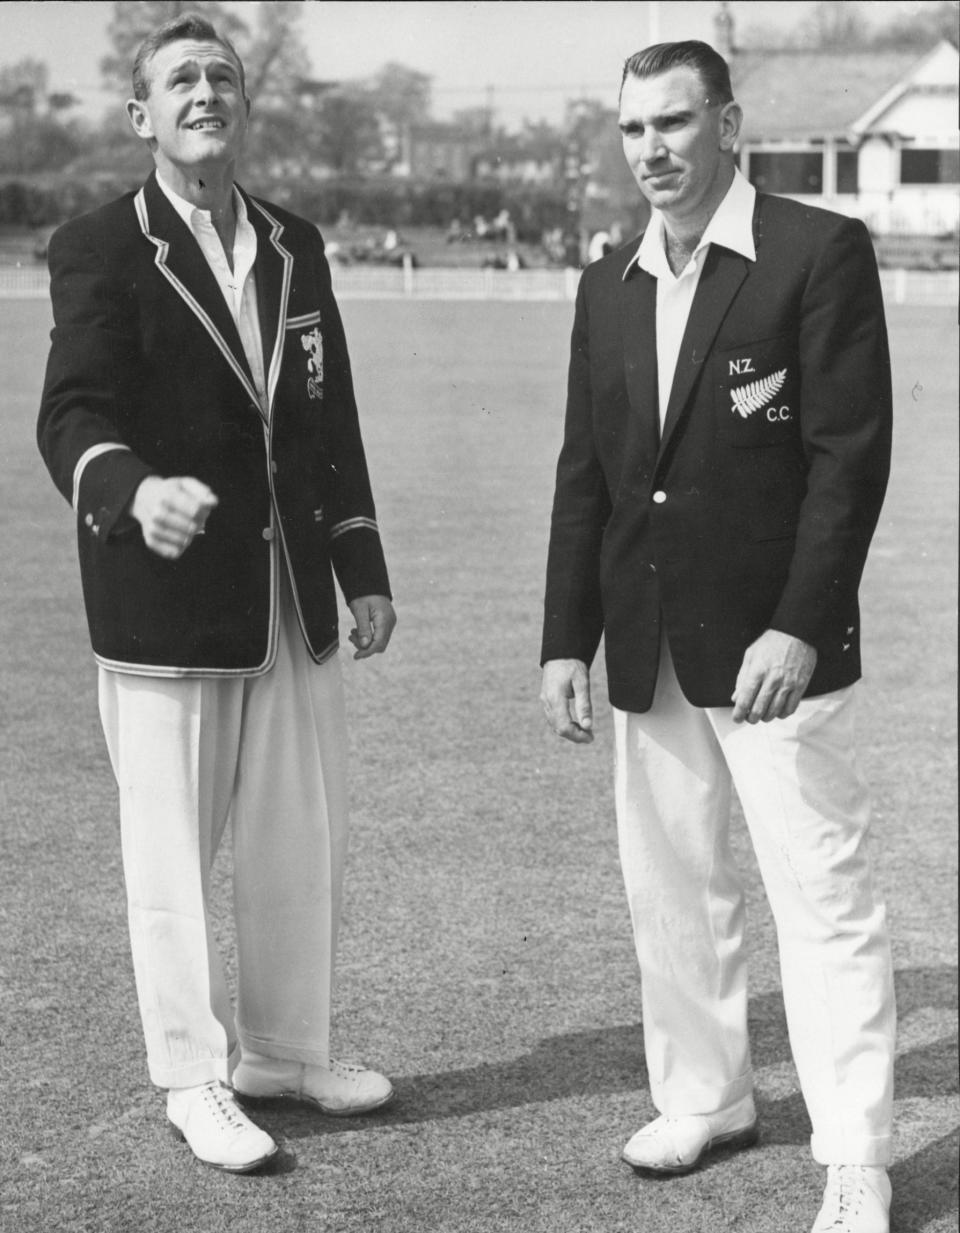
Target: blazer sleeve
point(356, 551)
point(573, 613)
point(90, 376)
point(846, 423)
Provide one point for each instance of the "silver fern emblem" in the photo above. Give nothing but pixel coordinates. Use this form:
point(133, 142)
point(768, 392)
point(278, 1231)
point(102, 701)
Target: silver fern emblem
point(750, 398)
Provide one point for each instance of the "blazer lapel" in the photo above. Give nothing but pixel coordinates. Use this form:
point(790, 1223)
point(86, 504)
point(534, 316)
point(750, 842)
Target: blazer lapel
point(723, 272)
point(180, 261)
point(273, 270)
point(638, 325)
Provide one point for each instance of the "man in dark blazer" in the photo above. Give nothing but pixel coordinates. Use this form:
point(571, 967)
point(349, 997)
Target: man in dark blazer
point(724, 461)
point(198, 412)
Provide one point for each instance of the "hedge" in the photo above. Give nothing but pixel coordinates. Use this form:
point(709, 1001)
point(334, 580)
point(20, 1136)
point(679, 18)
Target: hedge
point(380, 202)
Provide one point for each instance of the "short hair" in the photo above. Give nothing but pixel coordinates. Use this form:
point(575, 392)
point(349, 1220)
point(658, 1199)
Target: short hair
point(186, 26)
point(708, 64)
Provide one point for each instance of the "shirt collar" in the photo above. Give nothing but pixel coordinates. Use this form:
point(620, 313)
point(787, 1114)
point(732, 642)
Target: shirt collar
point(731, 226)
point(187, 210)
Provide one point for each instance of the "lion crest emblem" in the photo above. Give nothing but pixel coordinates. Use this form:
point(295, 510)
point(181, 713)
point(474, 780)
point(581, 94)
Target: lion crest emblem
point(313, 344)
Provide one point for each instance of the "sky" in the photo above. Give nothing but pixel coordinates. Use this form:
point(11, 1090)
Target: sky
point(523, 56)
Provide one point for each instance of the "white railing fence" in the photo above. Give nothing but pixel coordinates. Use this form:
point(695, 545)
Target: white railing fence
point(919, 287)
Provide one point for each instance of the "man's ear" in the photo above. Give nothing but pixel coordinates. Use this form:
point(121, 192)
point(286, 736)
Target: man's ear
point(731, 119)
point(139, 119)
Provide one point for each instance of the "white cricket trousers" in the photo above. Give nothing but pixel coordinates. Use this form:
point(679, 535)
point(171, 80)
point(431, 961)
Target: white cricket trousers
point(808, 817)
point(269, 753)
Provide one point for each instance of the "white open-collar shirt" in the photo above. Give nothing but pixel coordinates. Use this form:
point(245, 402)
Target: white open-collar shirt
point(732, 227)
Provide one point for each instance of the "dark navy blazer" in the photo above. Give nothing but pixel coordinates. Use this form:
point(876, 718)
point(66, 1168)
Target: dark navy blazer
point(147, 376)
point(756, 506)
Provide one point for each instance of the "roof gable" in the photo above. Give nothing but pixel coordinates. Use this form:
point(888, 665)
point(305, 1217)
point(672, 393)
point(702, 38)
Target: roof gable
point(804, 94)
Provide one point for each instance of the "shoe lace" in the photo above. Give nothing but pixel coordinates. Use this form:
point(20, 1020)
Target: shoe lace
point(845, 1189)
point(345, 1070)
point(224, 1107)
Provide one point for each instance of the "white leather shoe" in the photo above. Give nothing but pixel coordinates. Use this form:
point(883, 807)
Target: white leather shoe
point(675, 1145)
point(342, 1089)
point(856, 1200)
point(216, 1130)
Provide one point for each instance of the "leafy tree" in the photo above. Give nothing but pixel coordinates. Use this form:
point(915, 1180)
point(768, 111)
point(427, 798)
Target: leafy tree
point(401, 94)
point(477, 121)
point(585, 122)
point(842, 25)
point(541, 139)
point(926, 25)
point(346, 136)
point(23, 87)
point(274, 56)
point(833, 24)
point(355, 127)
point(36, 136)
point(276, 65)
point(401, 97)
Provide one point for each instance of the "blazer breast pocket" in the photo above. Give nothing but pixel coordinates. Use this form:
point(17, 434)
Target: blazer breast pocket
point(303, 352)
point(757, 393)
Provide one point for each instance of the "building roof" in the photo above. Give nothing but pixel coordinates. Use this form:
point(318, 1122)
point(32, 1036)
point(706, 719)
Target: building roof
point(804, 94)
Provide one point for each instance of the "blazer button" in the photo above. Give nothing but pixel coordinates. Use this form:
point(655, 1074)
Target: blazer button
point(88, 521)
point(267, 533)
point(659, 497)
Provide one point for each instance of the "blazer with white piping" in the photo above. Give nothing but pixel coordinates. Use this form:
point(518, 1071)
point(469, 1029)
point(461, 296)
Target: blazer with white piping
point(147, 376)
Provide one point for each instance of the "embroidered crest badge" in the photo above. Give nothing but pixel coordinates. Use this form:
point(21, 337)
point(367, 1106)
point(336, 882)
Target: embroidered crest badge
point(751, 397)
point(313, 343)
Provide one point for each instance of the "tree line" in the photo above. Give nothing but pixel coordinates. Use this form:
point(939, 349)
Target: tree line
point(298, 121)
point(314, 138)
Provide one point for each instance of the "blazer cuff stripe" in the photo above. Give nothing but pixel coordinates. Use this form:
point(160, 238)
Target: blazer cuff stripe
point(353, 524)
point(87, 456)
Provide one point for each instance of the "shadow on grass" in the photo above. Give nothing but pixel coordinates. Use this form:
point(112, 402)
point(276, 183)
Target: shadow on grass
point(925, 1185)
point(603, 1060)
point(285, 1161)
point(610, 1060)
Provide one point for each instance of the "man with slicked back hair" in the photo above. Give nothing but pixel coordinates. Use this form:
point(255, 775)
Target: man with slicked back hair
point(725, 457)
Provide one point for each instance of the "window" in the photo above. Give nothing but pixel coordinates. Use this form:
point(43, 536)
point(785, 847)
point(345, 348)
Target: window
point(929, 166)
point(787, 171)
point(848, 162)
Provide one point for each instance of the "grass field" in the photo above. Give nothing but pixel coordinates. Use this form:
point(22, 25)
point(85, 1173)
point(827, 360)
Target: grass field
point(486, 961)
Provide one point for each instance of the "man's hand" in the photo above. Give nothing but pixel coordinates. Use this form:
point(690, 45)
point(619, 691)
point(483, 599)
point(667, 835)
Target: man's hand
point(565, 697)
point(171, 512)
point(375, 620)
point(776, 670)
